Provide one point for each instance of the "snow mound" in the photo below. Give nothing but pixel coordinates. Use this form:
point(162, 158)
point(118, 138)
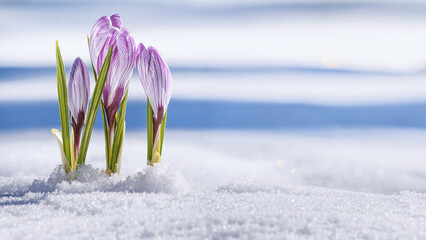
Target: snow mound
point(155, 179)
point(252, 185)
point(86, 179)
point(84, 175)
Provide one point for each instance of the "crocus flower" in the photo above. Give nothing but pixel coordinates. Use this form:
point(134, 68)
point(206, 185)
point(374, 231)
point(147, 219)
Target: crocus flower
point(156, 81)
point(109, 31)
point(78, 98)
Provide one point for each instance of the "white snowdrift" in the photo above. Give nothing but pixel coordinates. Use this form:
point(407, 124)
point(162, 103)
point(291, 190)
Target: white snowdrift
point(88, 179)
point(220, 185)
point(158, 204)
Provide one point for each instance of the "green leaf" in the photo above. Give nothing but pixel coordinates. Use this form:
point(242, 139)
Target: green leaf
point(93, 108)
point(93, 67)
point(107, 154)
point(163, 128)
point(118, 134)
point(63, 103)
point(149, 130)
point(65, 163)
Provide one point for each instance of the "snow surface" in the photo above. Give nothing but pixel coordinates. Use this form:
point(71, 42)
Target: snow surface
point(220, 185)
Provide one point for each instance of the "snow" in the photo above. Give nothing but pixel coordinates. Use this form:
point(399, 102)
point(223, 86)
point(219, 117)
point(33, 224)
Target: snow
point(88, 179)
point(376, 161)
point(246, 209)
point(220, 185)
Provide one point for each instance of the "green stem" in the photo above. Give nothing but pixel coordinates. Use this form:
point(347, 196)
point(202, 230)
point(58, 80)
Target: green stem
point(163, 128)
point(107, 140)
point(149, 130)
point(119, 130)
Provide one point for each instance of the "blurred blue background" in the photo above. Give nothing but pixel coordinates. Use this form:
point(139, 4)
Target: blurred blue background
point(235, 64)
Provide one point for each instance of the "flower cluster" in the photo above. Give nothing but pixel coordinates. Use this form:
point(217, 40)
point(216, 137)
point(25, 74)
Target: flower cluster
point(113, 55)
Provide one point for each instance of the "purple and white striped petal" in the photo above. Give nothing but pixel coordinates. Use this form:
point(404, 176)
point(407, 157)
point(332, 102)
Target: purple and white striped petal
point(100, 42)
point(116, 21)
point(121, 69)
point(78, 92)
point(156, 79)
point(109, 31)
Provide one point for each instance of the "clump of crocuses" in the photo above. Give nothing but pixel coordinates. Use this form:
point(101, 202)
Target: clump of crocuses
point(113, 56)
